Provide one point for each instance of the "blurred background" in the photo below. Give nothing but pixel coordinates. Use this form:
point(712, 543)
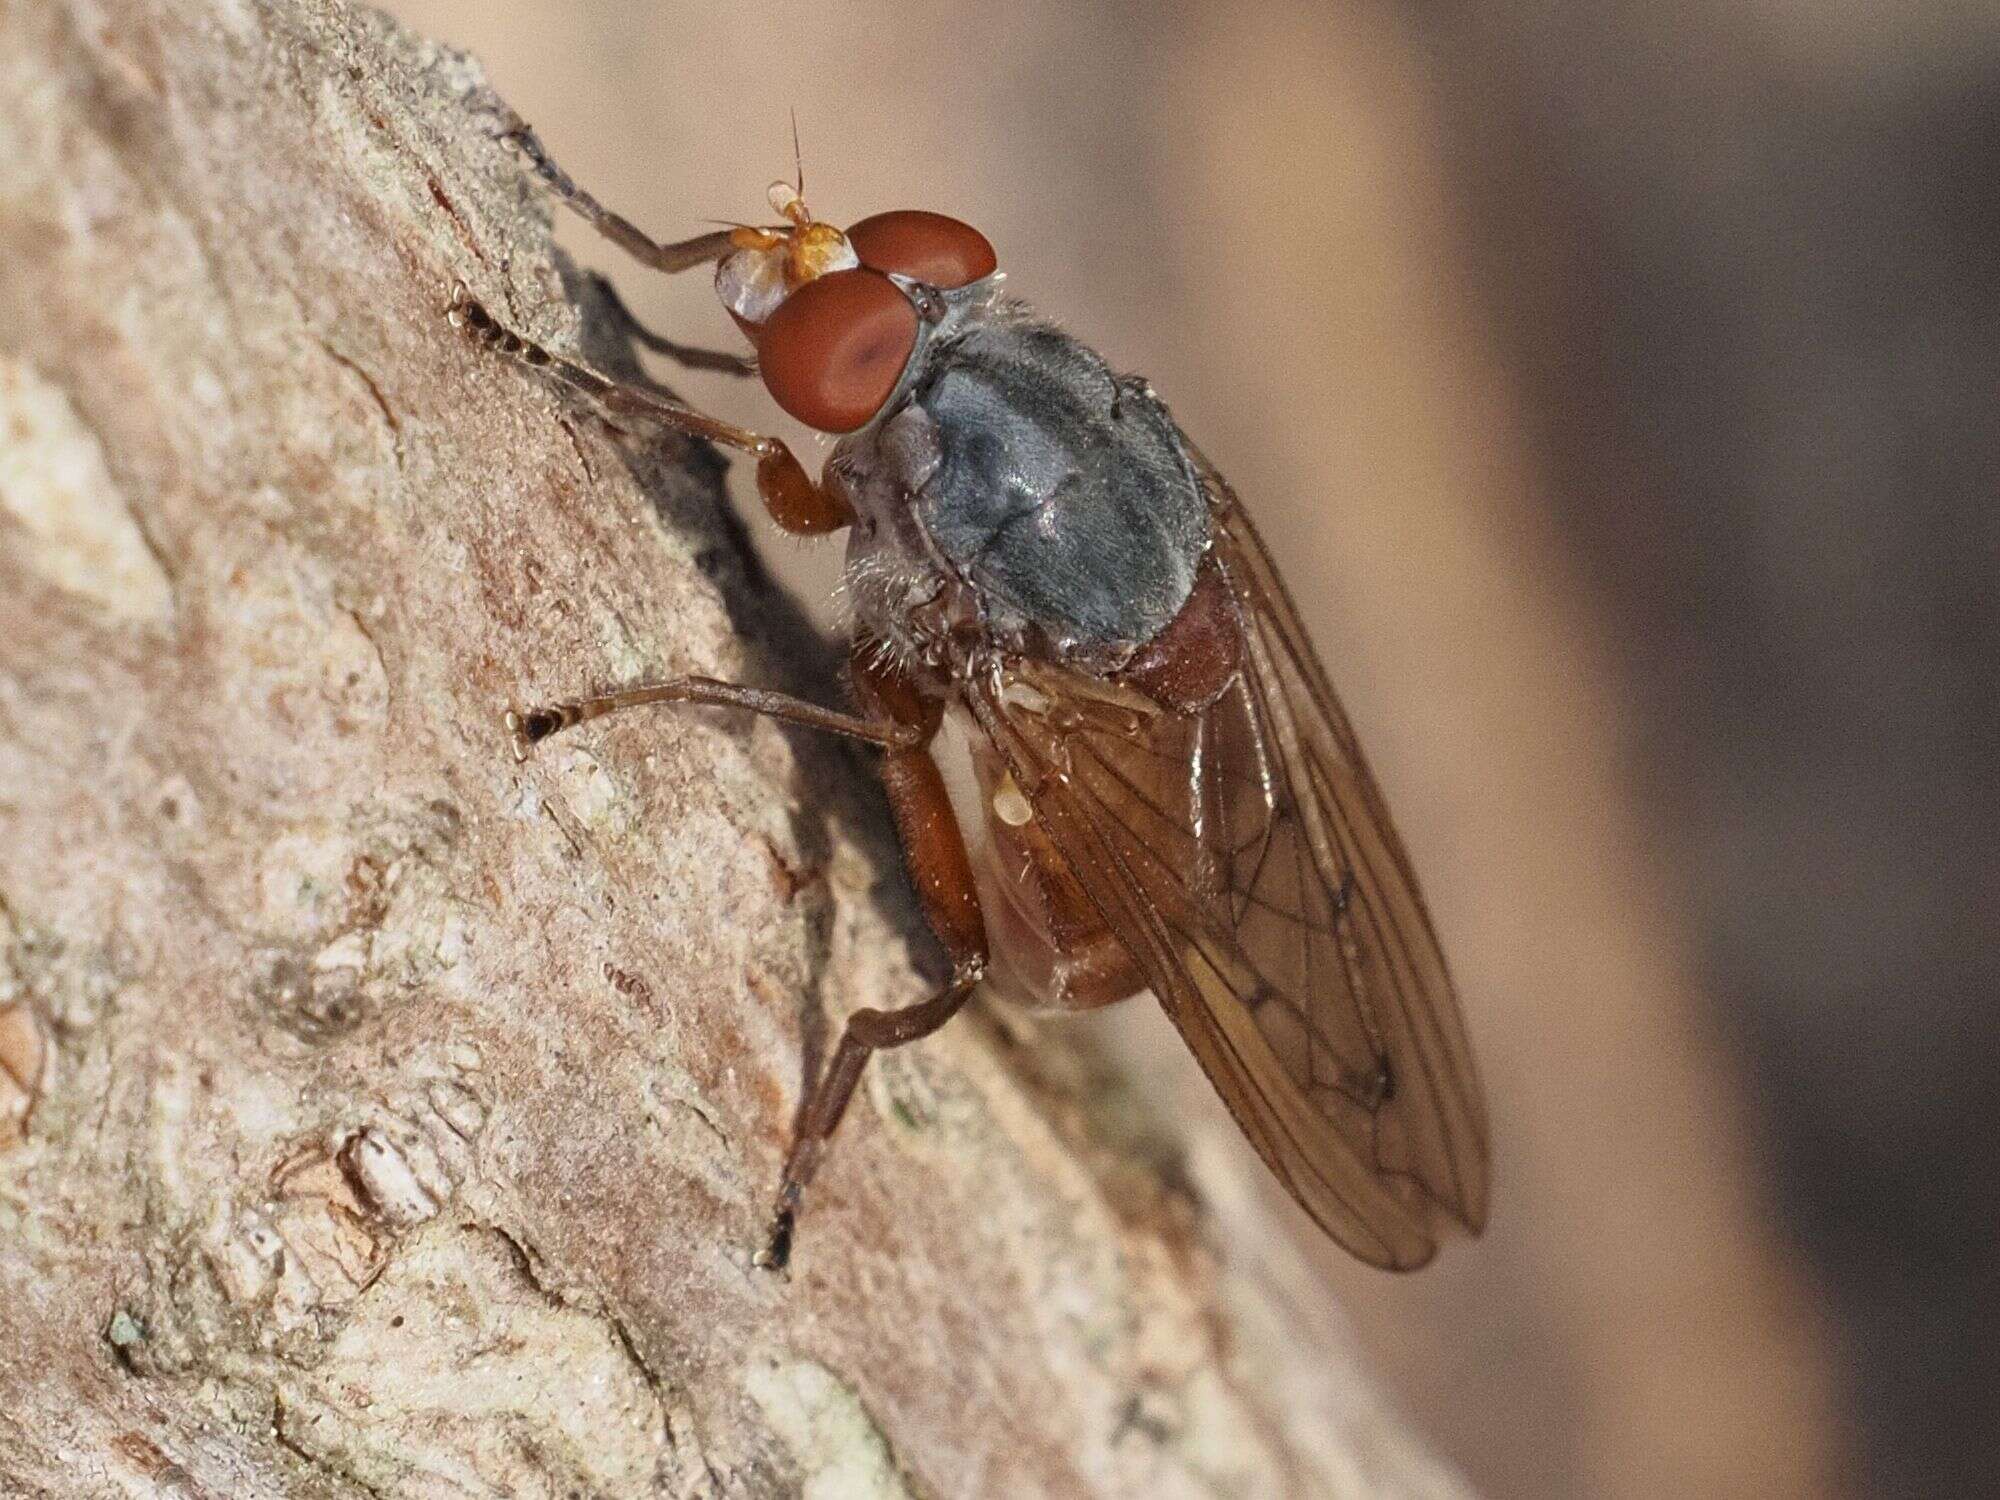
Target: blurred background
point(1620, 384)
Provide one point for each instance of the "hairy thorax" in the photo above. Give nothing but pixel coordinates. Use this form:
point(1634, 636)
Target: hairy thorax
point(1020, 496)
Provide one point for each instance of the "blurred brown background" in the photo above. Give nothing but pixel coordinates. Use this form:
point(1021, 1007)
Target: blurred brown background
point(1618, 383)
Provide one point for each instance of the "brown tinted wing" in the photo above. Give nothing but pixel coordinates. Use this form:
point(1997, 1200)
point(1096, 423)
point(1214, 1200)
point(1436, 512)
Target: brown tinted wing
point(1245, 857)
point(1392, 978)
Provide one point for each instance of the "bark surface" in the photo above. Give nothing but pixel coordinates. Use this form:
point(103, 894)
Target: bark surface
point(378, 1116)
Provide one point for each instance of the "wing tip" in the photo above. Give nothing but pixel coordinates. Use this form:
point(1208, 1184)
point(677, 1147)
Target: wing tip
point(1433, 1221)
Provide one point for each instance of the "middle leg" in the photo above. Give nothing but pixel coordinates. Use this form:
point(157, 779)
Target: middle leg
point(531, 726)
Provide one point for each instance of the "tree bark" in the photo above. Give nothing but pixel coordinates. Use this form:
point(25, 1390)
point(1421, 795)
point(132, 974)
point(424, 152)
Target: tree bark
point(378, 1116)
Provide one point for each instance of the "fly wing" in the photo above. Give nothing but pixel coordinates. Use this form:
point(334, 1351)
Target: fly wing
point(1354, 876)
point(1245, 857)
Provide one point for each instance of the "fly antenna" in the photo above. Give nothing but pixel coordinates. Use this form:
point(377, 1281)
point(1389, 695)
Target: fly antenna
point(798, 156)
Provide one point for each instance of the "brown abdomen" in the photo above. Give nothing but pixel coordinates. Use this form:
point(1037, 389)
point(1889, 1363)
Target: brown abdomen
point(1050, 948)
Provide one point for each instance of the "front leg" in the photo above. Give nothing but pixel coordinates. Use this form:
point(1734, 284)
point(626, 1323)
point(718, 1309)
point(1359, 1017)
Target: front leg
point(693, 357)
point(683, 255)
point(795, 502)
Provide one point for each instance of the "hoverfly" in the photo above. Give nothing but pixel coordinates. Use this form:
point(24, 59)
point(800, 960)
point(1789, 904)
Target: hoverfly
point(1151, 784)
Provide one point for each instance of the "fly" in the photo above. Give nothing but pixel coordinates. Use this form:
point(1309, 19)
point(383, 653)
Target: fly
point(1169, 795)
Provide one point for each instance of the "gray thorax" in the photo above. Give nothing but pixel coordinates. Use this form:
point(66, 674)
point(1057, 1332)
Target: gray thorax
point(1020, 481)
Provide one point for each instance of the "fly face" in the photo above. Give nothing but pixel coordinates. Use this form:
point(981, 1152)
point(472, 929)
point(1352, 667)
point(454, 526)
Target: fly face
point(1161, 791)
point(840, 319)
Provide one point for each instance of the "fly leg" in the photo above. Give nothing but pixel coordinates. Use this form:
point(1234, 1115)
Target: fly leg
point(867, 1032)
point(679, 255)
point(689, 356)
point(795, 502)
point(934, 850)
point(531, 726)
point(903, 722)
point(622, 232)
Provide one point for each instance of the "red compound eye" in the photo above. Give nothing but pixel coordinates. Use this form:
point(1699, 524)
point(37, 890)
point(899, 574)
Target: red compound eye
point(834, 349)
point(923, 246)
